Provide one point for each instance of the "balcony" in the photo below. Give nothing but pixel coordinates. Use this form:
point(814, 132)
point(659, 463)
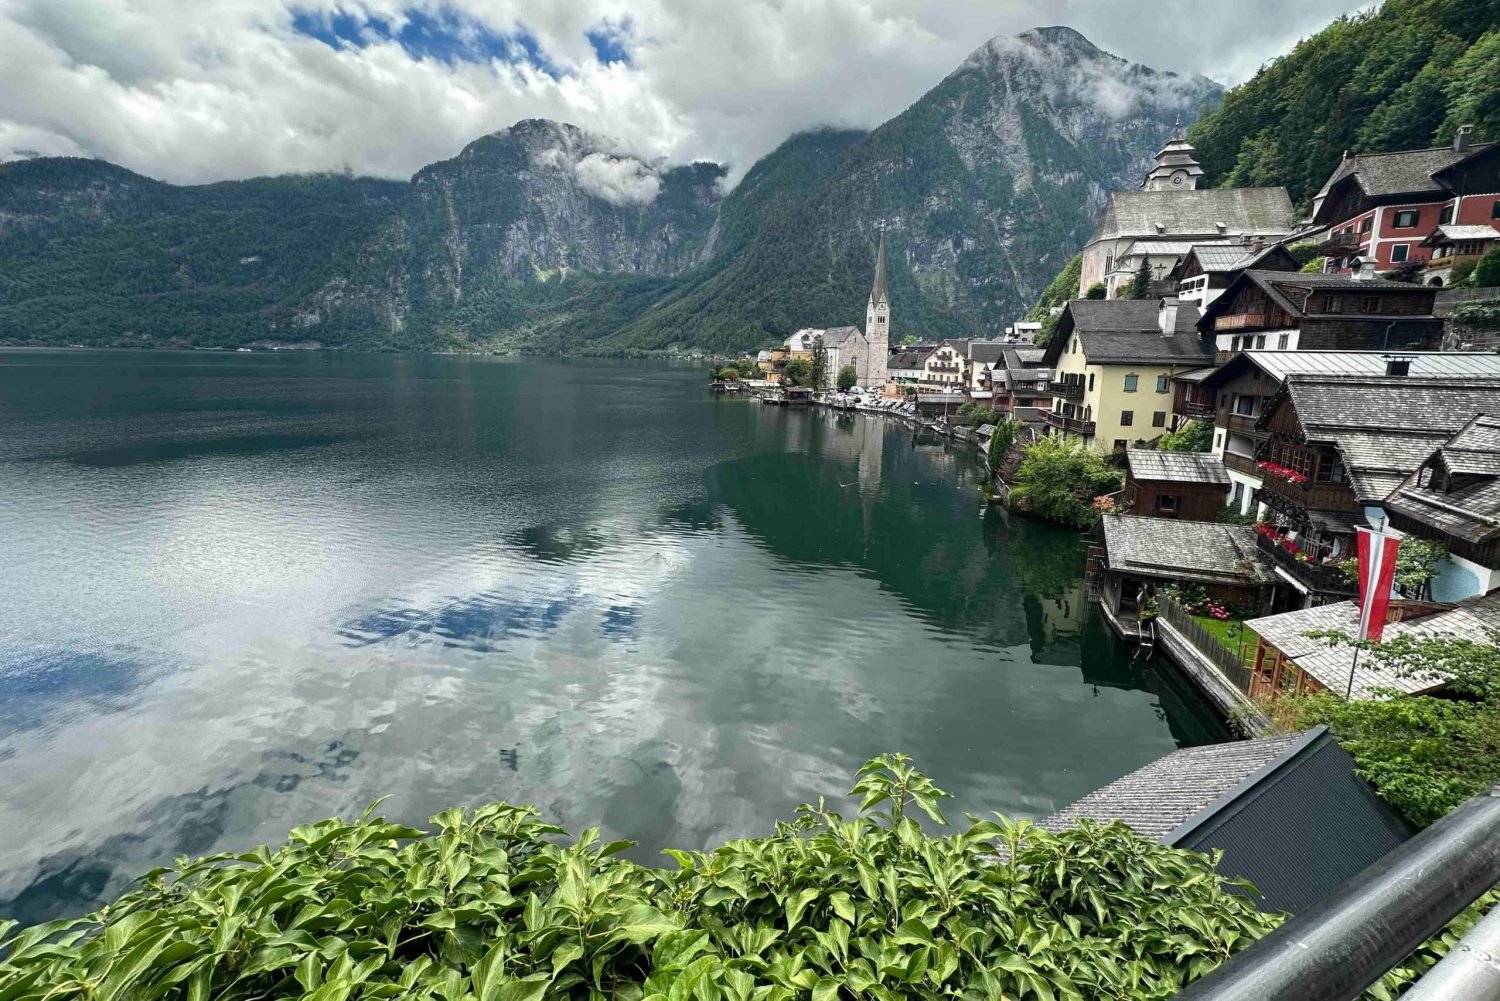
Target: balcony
point(1197, 411)
point(1066, 390)
point(1239, 423)
point(1241, 463)
point(1240, 321)
point(1070, 425)
point(1315, 576)
point(1286, 496)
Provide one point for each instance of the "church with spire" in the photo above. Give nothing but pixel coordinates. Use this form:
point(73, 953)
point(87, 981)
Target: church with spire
point(878, 323)
point(866, 351)
point(1168, 214)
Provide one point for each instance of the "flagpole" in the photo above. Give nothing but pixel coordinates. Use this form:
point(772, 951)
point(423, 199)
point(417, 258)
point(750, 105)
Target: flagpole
point(1349, 692)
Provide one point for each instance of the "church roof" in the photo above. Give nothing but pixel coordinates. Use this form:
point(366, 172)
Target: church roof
point(837, 336)
point(1200, 212)
point(878, 292)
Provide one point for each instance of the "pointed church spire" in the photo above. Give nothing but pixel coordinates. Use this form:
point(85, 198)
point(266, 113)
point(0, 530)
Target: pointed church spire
point(878, 291)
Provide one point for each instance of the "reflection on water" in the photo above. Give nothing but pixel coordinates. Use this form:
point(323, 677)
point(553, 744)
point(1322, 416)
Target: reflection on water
point(243, 592)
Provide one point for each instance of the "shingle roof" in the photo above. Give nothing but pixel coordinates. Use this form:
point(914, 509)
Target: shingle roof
point(1454, 232)
point(1424, 364)
point(1386, 427)
point(837, 336)
point(940, 397)
point(1251, 800)
point(1177, 467)
point(909, 360)
point(1125, 332)
point(1159, 798)
point(1201, 212)
point(1399, 173)
point(1286, 290)
point(1472, 511)
point(986, 352)
point(1472, 619)
point(1197, 550)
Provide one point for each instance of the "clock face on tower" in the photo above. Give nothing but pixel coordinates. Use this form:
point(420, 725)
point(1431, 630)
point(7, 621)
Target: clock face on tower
point(1178, 179)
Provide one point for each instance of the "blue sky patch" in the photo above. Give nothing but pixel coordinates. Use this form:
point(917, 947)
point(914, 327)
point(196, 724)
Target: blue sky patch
point(611, 41)
point(446, 35)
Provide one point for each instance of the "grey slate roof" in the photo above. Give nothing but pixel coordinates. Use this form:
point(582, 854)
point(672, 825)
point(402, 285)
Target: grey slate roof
point(1286, 290)
point(1424, 364)
point(1385, 427)
point(1471, 511)
point(909, 360)
point(1454, 232)
point(1399, 173)
point(1289, 813)
point(1125, 332)
point(1266, 211)
point(1473, 619)
point(1176, 467)
point(1186, 550)
point(836, 336)
point(986, 352)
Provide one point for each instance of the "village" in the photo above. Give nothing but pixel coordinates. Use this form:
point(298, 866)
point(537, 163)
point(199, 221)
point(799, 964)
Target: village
point(1297, 423)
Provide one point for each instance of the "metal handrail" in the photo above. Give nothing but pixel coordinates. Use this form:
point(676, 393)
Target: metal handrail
point(1344, 943)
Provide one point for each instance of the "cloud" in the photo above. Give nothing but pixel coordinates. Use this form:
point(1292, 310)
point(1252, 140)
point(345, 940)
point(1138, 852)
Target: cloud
point(619, 181)
point(196, 91)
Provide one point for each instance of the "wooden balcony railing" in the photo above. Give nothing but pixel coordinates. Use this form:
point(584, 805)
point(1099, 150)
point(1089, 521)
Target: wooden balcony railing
point(1315, 576)
point(1239, 321)
point(1066, 390)
point(1197, 411)
point(1241, 463)
point(1069, 424)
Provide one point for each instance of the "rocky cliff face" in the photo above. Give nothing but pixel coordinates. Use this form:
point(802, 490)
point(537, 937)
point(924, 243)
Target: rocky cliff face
point(543, 237)
point(984, 187)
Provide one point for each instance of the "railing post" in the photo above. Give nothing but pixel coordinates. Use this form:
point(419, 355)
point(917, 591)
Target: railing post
point(1345, 942)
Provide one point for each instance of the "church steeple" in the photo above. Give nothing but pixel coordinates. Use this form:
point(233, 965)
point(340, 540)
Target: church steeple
point(878, 291)
point(878, 322)
point(1176, 166)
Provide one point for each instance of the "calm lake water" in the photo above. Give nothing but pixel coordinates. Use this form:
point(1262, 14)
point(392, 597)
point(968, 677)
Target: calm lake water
point(241, 592)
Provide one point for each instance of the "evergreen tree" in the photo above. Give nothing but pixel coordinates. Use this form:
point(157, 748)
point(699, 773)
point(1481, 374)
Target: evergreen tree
point(848, 378)
point(1140, 282)
point(1487, 271)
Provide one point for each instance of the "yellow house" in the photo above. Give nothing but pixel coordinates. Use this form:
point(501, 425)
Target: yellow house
point(1112, 364)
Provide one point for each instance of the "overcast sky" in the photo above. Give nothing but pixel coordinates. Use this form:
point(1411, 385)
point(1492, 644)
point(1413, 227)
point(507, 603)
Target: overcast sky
point(196, 90)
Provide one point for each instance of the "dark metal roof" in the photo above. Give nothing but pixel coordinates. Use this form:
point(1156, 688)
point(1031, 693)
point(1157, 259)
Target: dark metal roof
point(1127, 332)
point(1201, 212)
point(1287, 291)
point(1289, 813)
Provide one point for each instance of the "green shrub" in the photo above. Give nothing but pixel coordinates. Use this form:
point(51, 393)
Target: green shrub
point(848, 378)
point(1058, 479)
point(1192, 436)
point(1096, 291)
point(496, 906)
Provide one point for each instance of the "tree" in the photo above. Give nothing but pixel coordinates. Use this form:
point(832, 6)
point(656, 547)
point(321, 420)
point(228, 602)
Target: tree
point(1096, 291)
point(729, 374)
point(817, 377)
point(1417, 562)
point(1058, 478)
point(798, 372)
point(1192, 436)
point(1059, 291)
point(848, 378)
point(1004, 438)
point(1140, 283)
point(1487, 271)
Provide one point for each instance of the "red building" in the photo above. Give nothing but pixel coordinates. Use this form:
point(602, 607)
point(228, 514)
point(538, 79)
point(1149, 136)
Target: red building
point(1387, 206)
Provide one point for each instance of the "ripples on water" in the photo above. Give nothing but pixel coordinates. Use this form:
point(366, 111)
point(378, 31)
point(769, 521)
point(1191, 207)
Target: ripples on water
point(243, 592)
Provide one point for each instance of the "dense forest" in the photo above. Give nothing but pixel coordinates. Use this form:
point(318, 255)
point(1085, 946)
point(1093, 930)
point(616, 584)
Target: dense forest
point(1403, 76)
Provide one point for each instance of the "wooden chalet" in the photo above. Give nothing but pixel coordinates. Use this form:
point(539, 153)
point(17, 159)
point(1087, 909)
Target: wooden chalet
point(1187, 485)
point(1209, 269)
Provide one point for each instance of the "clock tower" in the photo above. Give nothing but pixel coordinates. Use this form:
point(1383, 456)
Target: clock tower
point(1176, 166)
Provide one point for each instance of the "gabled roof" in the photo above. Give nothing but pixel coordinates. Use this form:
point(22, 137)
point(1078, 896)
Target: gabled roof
point(1198, 213)
point(1289, 291)
point(1126, 332)
point(835, 337)
point(1252, 799)
point(1175, 467)
point(1380, 175)
point(1451, 232)
point(1473, 619)
point(1189, 550)
point(986, 352)
point(1384, 427)
point(1424, 364)
point(1469, 510)
point(910, 360)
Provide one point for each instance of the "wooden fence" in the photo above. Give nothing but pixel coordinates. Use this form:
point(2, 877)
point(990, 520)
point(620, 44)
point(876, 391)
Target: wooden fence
point(1226, 660)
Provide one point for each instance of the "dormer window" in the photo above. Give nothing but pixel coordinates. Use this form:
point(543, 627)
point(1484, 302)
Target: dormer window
point(1424, 478)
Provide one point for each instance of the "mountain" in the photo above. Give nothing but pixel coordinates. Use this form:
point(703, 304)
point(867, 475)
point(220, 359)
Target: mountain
point(1403, 76)
point(545, 238)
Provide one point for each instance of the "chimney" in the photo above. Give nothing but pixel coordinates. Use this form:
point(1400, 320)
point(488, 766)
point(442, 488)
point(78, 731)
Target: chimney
point(1257, 245)
point(1364, 269)
point(1166, 317)
point(1462, 137)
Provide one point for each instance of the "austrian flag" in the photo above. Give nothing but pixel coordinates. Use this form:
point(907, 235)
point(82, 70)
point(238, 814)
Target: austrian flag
point(1377, 574)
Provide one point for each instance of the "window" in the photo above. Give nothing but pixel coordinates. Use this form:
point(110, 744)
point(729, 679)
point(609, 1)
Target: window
point(1330, 466)
point(1091, 382)
point(1399, 252)
point(1167, 503)
point(1244, 405)
point(1130, 382)
point(1424, 478)
point(1371, 304)
point(1161, 384)
point(1495, 210)
point(1119, 444)
point(1260, 341)
point(1445, 216)
point(1282, 340)
point(1364, 227)
point(1218, 440)
point(1407, 218)
point(1335, 304)
point(1127, 418)
point(1159, 419)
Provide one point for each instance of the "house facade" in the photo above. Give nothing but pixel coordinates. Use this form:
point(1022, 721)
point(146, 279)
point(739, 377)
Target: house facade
point(944, 368)
point(1207, 270)
point(1189, 486)
point(1383, 206)
point(1112, 365)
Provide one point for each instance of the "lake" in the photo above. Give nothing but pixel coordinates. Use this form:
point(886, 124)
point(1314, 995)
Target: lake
point(245, 591)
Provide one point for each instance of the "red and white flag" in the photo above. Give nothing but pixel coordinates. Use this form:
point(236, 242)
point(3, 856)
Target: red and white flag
point(1377, 575)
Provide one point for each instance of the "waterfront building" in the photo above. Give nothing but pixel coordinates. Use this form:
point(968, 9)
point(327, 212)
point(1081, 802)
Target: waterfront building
point(1290, 312)
point(908, 364)
point(1337, 446)
point(1288, 661)
point(980, 361)
point(1384, 206)
point(1021, 382)
point(1161, 222)
point(943, 368)
point(1234, 395)
point(1139, 555)
point(1113, 362)
point(1188, 485)
point(1289, 813)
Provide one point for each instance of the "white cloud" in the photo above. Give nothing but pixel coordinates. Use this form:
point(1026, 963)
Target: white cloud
point(617, 180)
point(194, 90)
